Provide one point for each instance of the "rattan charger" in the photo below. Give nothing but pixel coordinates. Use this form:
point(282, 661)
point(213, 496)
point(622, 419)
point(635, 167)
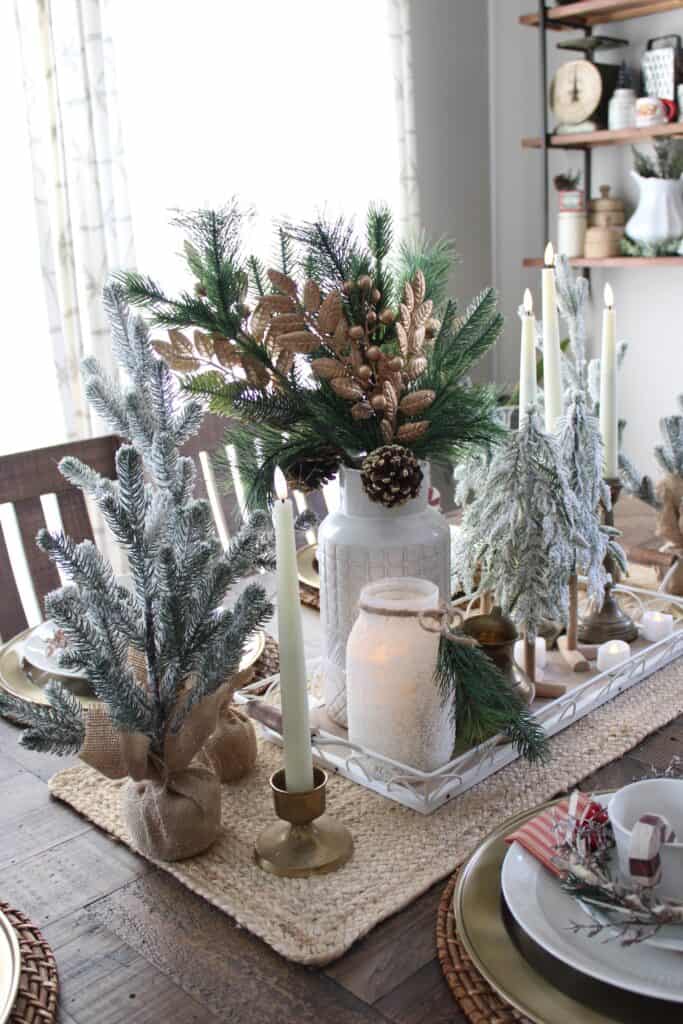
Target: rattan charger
point(474, 996)
point(36, 1001)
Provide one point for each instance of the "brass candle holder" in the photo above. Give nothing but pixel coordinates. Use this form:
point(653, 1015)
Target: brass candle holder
point(305, 841)
point(496, 634)
point(610, 622)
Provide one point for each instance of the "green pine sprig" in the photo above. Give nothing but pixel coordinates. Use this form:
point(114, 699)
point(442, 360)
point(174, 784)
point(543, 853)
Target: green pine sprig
point(482, 702)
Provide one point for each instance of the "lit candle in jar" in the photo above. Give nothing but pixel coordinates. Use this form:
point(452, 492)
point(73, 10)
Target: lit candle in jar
point(656, 625)
point(613, 653)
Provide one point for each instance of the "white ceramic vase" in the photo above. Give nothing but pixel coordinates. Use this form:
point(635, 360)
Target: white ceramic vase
point(659, 214)
point(362, 542)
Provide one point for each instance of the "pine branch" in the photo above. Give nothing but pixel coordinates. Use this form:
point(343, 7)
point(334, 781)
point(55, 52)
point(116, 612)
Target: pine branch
point(483, 703)
point(55, 728)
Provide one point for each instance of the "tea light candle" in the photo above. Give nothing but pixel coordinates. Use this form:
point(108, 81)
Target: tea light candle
point(656, 625)
point(541, 652)
point(613, 653)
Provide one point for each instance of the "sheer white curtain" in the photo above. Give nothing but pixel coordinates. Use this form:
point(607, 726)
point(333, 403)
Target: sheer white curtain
point(291, 106)
point(80, 191)
point(399, 27)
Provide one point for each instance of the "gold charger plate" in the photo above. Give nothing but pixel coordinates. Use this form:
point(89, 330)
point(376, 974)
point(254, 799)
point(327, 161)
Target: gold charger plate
point(10, 967)
point(23, 680)
point(535, 983)
point(308, 572)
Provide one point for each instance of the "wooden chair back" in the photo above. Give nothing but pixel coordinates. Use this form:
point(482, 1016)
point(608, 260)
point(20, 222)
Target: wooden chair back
point(27, 477)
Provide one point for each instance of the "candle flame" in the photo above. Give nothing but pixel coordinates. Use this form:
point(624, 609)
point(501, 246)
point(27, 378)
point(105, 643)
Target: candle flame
point(528, 302)
point(549, 255)
point(609, 296)
point(280, 484)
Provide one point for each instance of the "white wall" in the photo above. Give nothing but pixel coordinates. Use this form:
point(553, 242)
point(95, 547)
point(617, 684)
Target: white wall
point(450, 58)
point(647, 299)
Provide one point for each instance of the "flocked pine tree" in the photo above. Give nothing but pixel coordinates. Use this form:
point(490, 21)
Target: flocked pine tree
point(518, 537)
point(667, 495)
point(171, 619)
point(581, 452)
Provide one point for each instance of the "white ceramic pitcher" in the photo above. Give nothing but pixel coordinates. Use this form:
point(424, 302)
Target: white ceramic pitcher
point(659, 214)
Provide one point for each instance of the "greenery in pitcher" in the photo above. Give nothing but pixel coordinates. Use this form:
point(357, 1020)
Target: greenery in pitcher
point(349, 345)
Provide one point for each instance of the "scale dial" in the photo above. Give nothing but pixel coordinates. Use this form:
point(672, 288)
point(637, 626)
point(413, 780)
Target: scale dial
point(575, 92)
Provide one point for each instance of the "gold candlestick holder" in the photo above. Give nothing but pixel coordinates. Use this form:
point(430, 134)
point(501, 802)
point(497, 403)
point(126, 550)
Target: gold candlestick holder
point(610, 622)
point(305, 841)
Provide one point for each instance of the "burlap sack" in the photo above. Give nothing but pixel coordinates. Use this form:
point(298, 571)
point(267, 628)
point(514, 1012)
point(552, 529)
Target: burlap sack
point(173, 818)
point(669, 492)
point(231, 749)
point(171, 810)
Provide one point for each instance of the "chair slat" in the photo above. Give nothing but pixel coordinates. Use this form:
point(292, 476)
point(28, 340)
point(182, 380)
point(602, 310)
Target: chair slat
point(74, 513)
point(43, 573)
point(30, 474)
point(12, 617)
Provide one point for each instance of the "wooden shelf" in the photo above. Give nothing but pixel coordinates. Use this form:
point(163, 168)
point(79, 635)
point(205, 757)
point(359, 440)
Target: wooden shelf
point(616, 261)
point(585, 13)
point(622, 137)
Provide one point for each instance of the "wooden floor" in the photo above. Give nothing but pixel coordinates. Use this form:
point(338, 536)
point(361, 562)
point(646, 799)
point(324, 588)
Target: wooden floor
point(132, 945)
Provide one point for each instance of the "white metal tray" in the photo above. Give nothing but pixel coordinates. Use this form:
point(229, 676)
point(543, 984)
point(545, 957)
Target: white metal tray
point(426, 791)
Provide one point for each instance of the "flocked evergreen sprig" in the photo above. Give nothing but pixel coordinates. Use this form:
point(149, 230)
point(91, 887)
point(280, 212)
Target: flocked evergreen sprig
point(351, 345)
point(172, 614)
point(669, 455)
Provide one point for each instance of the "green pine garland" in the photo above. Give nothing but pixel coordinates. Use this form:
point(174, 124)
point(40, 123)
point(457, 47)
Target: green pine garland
point(483, 703)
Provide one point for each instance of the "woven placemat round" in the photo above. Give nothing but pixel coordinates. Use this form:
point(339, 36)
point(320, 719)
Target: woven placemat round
point(269, 662)
point(474, 996)
point(36, 1001)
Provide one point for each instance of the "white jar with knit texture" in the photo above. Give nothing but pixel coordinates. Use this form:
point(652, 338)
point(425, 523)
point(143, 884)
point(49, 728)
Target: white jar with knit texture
point(394, 703)
point(363, 542)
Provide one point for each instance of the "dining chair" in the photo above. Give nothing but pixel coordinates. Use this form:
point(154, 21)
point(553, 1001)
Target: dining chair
point(26, 478)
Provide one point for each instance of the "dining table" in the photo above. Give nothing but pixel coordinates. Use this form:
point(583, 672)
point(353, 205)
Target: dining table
point(134, 945)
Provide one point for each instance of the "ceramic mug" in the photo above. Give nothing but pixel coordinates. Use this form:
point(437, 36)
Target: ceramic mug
point(651, 796)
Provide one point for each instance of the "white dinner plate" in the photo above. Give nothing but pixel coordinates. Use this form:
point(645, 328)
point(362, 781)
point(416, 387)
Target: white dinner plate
point(36, 652)
point(10, 968)
point(546, 913)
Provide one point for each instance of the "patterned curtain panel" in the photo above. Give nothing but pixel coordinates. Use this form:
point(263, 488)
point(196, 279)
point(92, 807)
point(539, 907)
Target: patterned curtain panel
point(80, 188)
point(399, 27)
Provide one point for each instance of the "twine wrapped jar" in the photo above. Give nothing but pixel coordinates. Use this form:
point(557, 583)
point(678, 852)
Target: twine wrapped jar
point(394, 705)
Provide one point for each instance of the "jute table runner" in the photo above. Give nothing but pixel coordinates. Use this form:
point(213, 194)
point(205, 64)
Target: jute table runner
point(398, 853)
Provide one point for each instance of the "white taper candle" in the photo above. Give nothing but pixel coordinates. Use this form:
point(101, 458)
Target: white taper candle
point(608, 388)
point(293, 686)
point(527, 358)
point(552, 374)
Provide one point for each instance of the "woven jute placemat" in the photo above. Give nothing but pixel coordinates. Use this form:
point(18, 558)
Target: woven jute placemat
point(398, 853)
point(473, 994)
point(36, 1001)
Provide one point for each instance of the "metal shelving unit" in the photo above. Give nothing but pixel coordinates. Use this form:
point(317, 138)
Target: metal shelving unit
point(583, 15)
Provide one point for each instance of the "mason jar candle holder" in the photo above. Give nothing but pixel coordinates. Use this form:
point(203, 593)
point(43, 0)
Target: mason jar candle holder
point(394, 704)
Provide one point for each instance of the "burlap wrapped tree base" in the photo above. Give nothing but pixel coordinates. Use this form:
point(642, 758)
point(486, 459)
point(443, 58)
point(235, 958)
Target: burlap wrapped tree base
point(398, 854)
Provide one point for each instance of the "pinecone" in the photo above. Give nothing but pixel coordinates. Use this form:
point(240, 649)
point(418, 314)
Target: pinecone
point(310, 472)
point(391, 475)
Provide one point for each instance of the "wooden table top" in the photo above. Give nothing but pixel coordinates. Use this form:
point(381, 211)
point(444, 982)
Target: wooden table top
point(134, 946)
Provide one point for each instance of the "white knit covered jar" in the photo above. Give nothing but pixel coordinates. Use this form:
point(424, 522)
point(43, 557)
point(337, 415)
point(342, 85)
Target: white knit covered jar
point(394, 704)
point(361, 542)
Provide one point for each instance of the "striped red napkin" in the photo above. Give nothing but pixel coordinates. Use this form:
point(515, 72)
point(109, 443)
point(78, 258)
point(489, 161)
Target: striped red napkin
point(542, 834)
